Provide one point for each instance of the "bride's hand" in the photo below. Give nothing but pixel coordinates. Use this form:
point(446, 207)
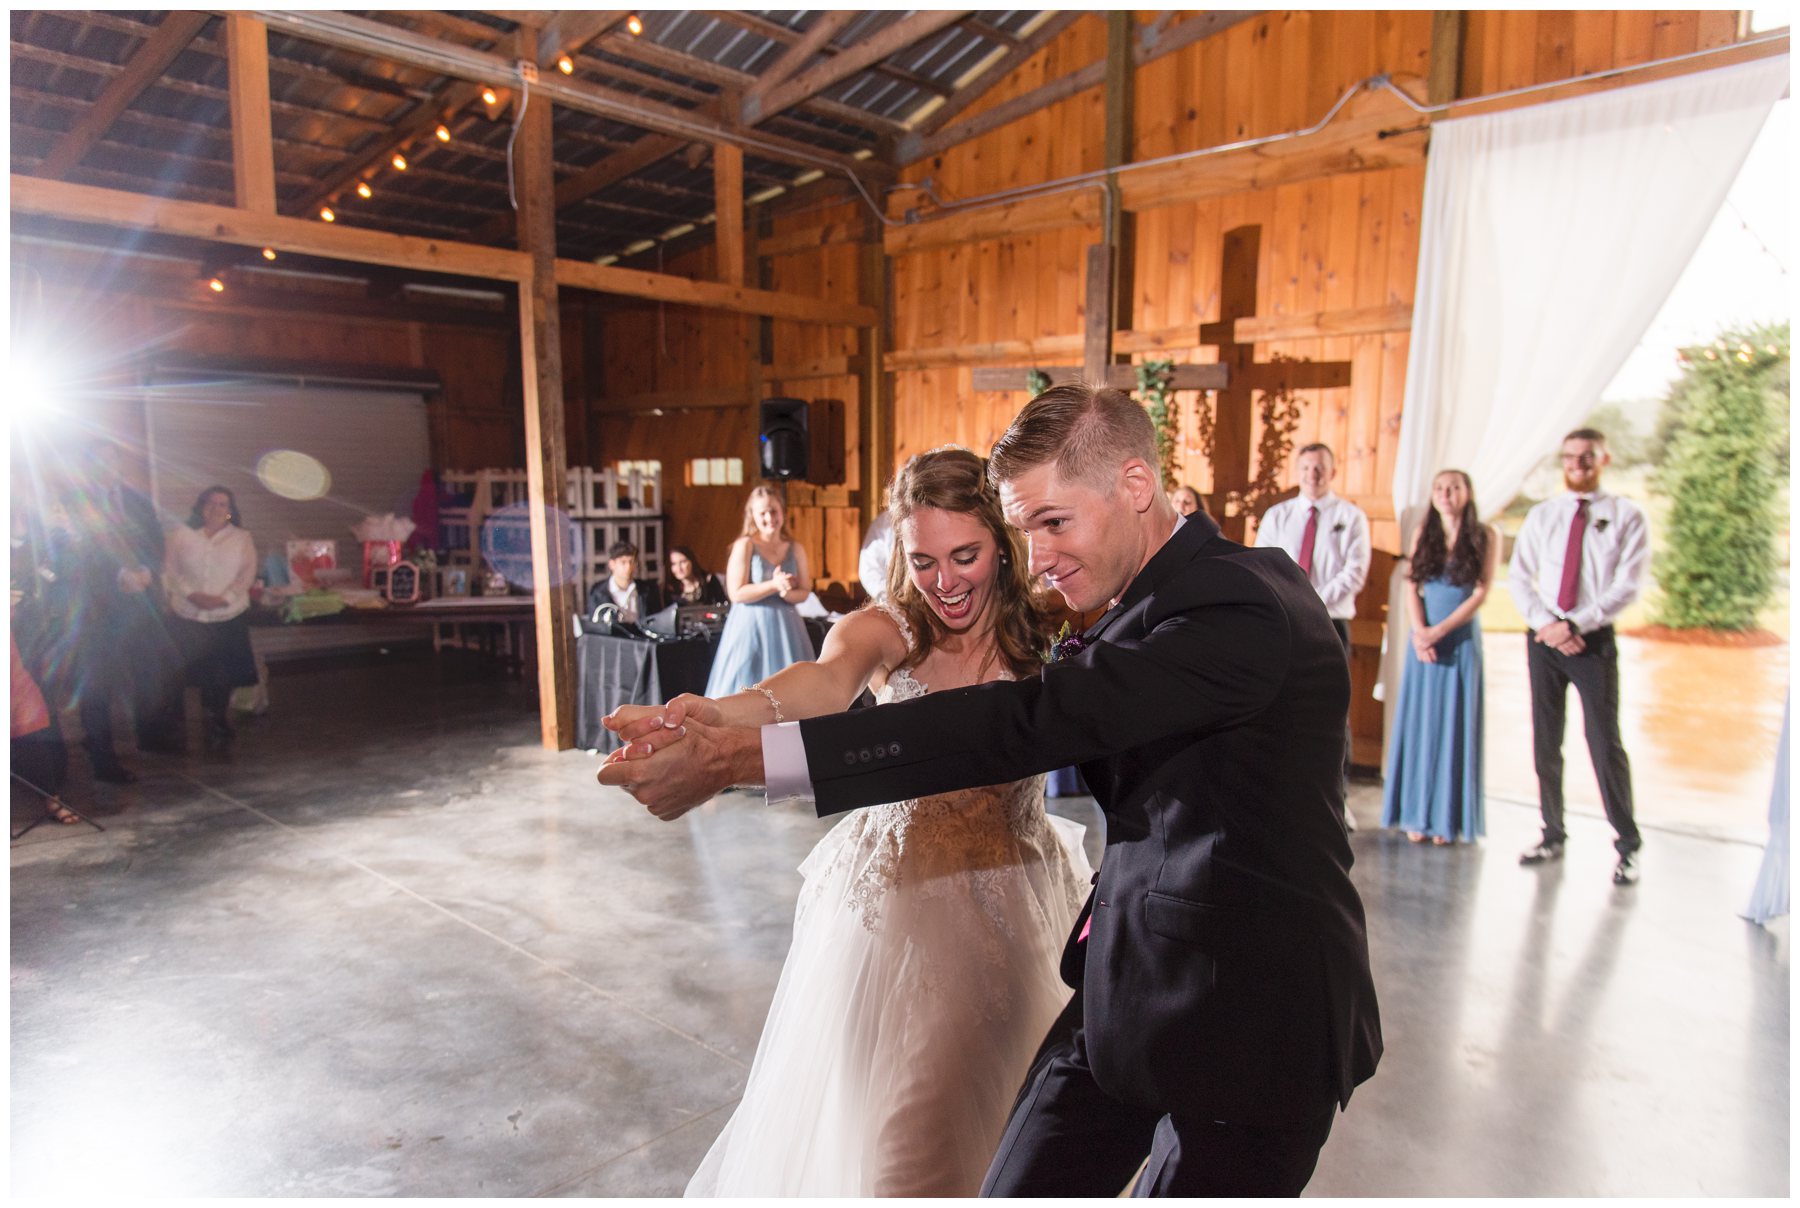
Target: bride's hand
point(634, 722)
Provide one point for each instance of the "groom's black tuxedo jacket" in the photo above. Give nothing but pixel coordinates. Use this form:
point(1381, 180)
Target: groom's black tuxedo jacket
point(1227, 972)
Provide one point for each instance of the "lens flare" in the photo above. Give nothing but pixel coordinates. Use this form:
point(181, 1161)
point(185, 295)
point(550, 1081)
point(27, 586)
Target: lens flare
point(293, 475)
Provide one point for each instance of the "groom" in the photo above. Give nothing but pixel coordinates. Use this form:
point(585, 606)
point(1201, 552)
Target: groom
point(1224, 1008)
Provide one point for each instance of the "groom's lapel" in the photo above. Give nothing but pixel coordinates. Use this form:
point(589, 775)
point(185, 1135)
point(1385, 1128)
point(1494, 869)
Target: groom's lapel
point(1175, 552)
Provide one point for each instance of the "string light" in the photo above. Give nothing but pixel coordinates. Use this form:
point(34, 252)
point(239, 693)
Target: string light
point(489, 97)
point(443, 134)
point(635, 24)
point(217, 286)
point(363, 190)
point(326, 214)
point(399, 162)
point(566, 65)
point(268, 253)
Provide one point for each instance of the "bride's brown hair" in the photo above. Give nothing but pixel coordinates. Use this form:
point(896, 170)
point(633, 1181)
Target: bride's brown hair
point(955, 480)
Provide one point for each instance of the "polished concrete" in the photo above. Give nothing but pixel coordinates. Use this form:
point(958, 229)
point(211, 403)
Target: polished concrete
point(393, 947)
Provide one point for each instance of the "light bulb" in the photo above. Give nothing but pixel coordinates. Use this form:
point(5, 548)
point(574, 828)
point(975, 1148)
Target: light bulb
point(327, 215)
point(363, 189)
point(399, 162)
point(443, 134)
point(268, 253)
point(566, 65)
point(489, 97)
point(635, 24)
point(217, 286)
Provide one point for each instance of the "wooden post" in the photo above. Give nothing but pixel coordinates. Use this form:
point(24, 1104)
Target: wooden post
point(252, 138)
point(1120, 24)
point(728, 210)
point(1096, 326)
point(875, 284)
point(1443, 73)
point(546, 447)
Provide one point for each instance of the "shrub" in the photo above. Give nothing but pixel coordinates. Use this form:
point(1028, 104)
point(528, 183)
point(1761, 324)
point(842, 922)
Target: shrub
point(1727, 448)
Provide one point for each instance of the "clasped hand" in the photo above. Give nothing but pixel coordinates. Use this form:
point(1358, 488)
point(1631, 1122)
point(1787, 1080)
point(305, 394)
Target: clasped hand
point(1561, 637)
point(707, 757)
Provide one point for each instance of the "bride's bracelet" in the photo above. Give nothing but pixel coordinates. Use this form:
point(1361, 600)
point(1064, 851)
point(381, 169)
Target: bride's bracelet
point(773, 703)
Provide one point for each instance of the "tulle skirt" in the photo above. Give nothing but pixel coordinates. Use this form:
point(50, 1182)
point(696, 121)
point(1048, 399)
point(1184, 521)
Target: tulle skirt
point(915, 995)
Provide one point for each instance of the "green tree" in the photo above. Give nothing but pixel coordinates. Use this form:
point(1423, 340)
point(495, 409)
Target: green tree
point(1726, 425)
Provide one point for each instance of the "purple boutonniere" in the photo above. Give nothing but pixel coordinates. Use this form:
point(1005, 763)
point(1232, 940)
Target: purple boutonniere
point(1066, 645)
point(1600, 525)
point(1338, 527)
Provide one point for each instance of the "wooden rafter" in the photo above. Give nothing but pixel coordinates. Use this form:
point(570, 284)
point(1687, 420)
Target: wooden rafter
point(252, 145)
point(824, 28)
point(146, 66)
point(816, 79)
point(996, 71)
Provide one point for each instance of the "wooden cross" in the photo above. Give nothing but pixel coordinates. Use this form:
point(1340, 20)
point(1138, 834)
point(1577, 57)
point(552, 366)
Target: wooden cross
point(1237, 376)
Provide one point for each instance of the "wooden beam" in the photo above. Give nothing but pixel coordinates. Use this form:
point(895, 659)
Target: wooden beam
point(146, 66)
point(454, 98)
point(252, 135)
point(1122, 377)
point(1076, 207)
point(728, 212)
point(811, 239)
point(823, 367)
point(223, 224)
point(977, 85)
point(826, 26)
point(1443, 74)
point(546, 445)
point(1005, 113)
point(889, 41)
point(875, 286)
point(723, 398)
point(1097, 315)
point(1367, 320)
point(663, 287)
point(386, 41)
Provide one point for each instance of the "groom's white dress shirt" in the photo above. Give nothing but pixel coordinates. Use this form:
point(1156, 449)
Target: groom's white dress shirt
point(1341, 551)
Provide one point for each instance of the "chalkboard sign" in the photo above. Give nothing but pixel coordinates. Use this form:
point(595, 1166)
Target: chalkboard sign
point(403, 583)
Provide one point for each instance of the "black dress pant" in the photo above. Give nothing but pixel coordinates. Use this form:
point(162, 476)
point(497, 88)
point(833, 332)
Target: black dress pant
point(1067, 1137)
point(1595, 674)
point(1343, 632)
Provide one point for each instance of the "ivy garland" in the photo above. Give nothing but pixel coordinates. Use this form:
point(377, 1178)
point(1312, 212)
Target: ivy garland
point(1279, 412)
point(1156, 385)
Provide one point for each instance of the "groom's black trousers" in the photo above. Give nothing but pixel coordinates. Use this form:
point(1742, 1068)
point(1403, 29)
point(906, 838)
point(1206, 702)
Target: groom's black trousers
point(1067, 1137)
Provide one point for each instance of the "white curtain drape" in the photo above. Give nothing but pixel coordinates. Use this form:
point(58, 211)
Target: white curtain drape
point(1550, 237)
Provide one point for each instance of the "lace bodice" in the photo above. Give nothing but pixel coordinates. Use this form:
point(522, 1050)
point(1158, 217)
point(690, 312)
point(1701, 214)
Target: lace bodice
point(924, 841)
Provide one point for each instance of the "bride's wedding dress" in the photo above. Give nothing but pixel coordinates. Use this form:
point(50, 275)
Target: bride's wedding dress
point(921, 980)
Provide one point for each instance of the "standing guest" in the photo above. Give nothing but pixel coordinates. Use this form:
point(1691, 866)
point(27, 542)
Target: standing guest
point(691, 583)
point(1578, 563)
point(143, 658)
point(1329, 537)
point(1187, 501)
point(637, 598)
point(877, 552)
point(1433, 787)
point(207, 573)
point(766, 577)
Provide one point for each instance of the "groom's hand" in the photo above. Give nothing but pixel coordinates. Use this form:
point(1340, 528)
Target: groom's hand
point(672, 771)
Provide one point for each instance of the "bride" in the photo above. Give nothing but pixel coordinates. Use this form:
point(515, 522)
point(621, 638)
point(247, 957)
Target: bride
point(923, 971)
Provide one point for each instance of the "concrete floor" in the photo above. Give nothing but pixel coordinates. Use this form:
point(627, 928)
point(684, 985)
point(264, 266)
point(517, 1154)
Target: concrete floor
point(395, 948)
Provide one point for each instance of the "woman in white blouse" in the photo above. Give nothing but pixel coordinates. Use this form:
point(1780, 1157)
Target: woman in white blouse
point(207, 571)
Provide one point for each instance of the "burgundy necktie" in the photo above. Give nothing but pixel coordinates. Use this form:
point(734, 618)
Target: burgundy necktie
point(1306, 541)
point(1571, 577)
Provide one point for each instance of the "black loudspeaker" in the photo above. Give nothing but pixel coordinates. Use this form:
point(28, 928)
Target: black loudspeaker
point(783, 438)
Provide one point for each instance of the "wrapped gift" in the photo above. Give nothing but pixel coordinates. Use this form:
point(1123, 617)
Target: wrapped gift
point(307, 556)
point(381, 537)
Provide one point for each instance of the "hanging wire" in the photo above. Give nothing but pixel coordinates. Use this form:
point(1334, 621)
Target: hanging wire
point(512, 193)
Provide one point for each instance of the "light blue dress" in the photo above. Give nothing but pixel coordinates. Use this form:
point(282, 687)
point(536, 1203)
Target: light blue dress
point(1434, 763)
point(760, 637)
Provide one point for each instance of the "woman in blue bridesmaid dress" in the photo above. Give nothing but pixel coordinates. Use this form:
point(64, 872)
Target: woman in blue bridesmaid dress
point(1433, 788)
point(766, 577)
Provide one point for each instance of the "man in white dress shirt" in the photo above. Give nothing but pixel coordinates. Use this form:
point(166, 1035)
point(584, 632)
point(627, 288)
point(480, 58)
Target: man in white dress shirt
point(1578, 562)
point(1329, 537)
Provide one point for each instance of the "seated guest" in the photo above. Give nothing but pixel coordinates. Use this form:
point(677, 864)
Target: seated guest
point(689, 582)
point(207, 572)
point(636, 598)
point(1187, 501)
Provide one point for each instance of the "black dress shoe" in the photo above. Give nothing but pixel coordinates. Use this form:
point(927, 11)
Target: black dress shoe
point(1625, 872)
point(1542, 853)
point(114, 773)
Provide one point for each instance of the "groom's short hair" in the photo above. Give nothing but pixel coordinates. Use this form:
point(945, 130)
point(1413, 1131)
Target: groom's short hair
point(1087, 431)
